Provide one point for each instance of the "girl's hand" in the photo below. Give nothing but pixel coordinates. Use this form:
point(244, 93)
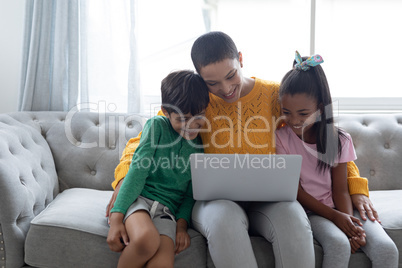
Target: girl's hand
point(346, 222)
point(117, 237)
point(357, 241)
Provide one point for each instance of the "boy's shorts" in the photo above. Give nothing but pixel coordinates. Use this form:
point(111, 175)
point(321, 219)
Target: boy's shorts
point(160, 214)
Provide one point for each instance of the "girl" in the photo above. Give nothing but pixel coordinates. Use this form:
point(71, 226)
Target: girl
point(323, 191)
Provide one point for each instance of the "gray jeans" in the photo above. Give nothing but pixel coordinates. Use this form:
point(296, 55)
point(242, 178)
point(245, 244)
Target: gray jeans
point(379, 247)
point(225, 225)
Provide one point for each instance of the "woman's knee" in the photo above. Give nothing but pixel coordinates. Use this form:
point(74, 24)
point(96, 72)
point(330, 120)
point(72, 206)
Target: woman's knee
point(221, 216)
point(283, 217)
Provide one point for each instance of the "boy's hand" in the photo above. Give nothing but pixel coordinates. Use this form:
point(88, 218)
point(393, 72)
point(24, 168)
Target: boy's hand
point(182, 241)
point(182, 237)
point(117, 237)
point(346, 222)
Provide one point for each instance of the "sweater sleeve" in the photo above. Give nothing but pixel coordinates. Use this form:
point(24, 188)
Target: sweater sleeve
point(122, 168)
point(125, 160)
point(357, 184)
point(138, 172)
point(186, 207)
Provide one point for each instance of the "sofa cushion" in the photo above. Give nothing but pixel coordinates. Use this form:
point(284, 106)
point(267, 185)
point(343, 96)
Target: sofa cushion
point(388, 204)
point(75, 223)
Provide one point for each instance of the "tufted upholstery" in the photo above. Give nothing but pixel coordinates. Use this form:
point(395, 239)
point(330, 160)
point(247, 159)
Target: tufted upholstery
point(378, 142)
point(65, 162)
point(98, 140)
point(28, 183)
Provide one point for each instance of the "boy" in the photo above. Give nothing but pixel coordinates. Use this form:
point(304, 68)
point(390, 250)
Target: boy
point(157, 188)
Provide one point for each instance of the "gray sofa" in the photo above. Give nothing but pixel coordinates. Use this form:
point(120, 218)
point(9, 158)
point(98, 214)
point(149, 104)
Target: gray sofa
point(55, 175)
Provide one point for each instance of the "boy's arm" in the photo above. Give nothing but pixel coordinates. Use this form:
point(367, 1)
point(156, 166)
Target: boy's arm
point(183, 239)
point(186, 207)
point(125, 160)
point(123, 167)
point(137, 175)
point(183, 220)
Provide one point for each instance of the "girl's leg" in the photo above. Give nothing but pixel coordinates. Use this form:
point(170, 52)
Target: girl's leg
point(286, 226)
point(224, 224)
point(335, 243)
point(144, 240)
point(164, 257)
point(379, 247)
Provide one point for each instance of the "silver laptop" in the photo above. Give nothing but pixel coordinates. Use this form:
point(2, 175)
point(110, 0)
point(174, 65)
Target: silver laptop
point(245, 177)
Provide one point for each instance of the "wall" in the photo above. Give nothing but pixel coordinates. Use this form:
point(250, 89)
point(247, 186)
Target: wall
point(11, 32)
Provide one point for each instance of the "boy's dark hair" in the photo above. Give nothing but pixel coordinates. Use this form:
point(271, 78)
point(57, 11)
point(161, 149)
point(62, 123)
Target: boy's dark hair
point(212, 47)
point(184, 92)
point(313, 82)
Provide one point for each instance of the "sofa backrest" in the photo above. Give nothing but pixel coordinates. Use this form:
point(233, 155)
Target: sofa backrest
point(86, 146)
point(378, 143)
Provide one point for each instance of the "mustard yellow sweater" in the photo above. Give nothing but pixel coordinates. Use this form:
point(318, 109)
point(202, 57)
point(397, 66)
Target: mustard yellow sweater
point(246, 126)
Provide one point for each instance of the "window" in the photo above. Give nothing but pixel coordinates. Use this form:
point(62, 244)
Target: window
point(359, 41)
point(166, 31)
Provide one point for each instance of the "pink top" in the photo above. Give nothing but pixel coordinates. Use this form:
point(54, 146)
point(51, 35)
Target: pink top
point(314, 182)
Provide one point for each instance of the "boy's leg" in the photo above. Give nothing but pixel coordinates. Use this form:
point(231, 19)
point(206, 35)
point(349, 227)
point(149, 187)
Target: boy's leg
point(164, 257)
point(379, 247)
point(286, 226)
point(224, 224)
point(144, 240)
point(335, 243)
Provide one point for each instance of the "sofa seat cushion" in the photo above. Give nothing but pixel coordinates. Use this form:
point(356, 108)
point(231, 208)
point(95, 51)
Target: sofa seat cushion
point(74, 224)
point(389, 206)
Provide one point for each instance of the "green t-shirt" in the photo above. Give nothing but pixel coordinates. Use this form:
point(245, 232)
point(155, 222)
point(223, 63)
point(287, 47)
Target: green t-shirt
point(160, 170)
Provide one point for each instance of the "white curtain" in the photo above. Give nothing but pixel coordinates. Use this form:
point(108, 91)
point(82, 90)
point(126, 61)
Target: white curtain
point(80, 54)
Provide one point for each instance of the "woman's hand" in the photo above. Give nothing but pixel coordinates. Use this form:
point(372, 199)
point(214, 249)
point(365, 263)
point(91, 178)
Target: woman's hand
point(363, 204)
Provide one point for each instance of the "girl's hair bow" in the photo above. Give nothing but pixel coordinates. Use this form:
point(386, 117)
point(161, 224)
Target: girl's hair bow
point(310, 62)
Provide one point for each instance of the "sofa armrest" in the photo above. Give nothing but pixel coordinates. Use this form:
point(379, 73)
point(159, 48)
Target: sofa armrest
point(28, 183)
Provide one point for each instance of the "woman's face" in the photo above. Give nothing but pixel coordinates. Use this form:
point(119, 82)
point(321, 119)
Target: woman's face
point(225, 79)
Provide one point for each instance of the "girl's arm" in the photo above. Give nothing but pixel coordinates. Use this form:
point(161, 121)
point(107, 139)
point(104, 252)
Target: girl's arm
point(343, 202)
point(340, 191)
point(340, 219)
